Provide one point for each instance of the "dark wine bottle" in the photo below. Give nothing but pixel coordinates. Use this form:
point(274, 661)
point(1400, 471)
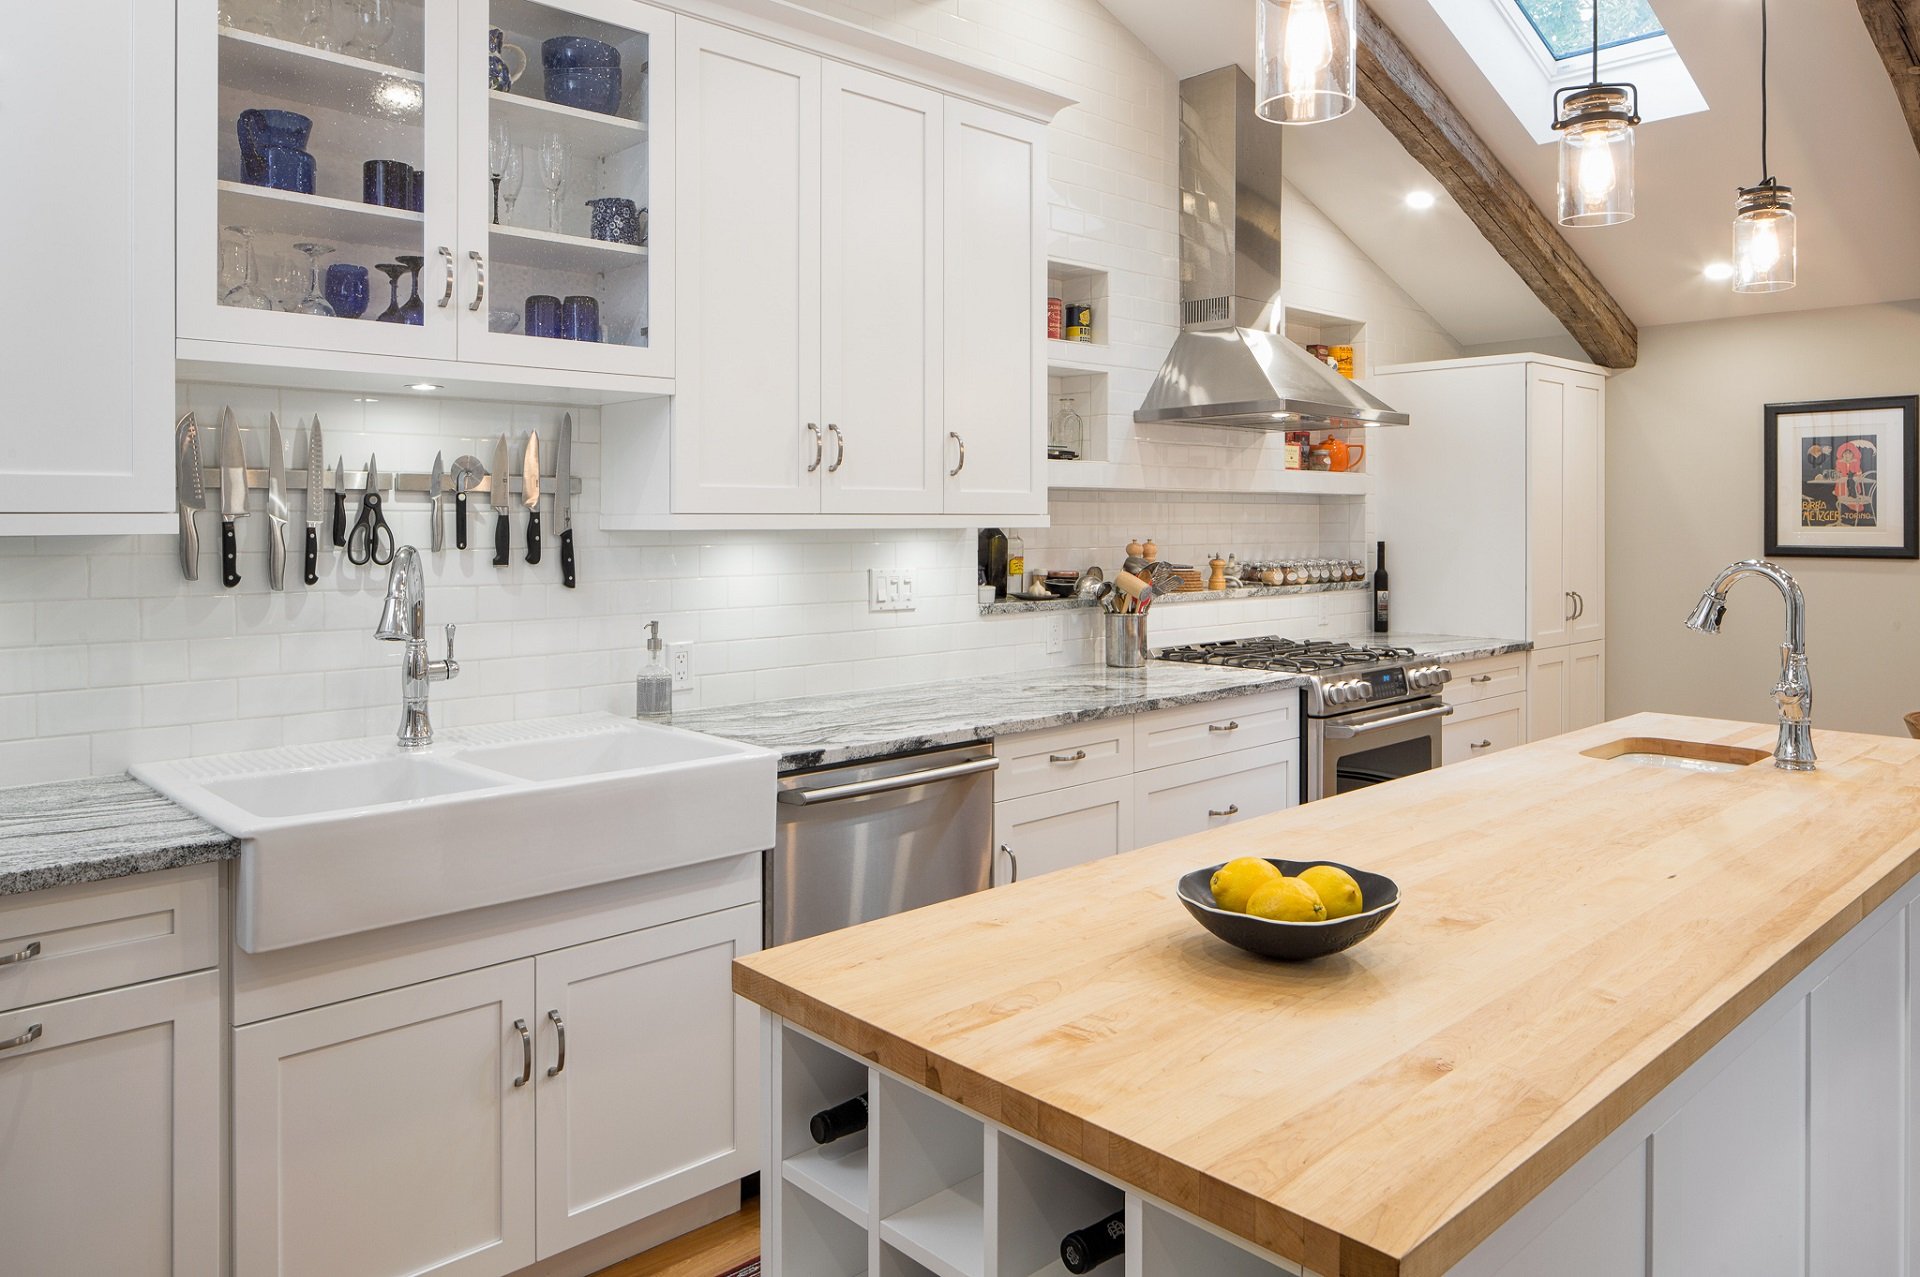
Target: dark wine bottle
point(1380, 589)
point(845, 1118)
point(1085, 1249)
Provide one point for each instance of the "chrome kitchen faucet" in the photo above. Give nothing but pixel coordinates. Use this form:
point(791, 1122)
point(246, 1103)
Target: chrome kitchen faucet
point(1794, 692)
point(403, 619)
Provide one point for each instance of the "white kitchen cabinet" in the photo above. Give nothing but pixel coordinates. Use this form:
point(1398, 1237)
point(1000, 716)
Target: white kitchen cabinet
point(89, 340)
point(1207, 793)
point(655, 1100)
point(1482, 727)
point(1566, 689)
point(111, 1146)
point(1565, 510)
point(1053, 830)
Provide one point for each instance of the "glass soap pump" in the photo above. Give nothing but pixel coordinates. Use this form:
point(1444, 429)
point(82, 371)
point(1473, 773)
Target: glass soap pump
point(653, 690)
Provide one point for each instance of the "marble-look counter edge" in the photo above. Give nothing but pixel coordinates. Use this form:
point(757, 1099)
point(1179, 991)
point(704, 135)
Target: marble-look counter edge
point(75, 831)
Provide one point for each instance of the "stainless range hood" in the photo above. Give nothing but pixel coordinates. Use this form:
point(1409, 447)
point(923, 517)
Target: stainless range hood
point(1232, 364)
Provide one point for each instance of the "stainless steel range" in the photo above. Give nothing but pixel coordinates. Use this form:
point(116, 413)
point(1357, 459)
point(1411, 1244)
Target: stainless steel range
point(1373, 712)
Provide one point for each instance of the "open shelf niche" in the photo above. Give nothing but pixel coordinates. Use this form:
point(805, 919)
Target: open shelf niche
point(1317, 328)
point(931, 1189)
point(1076, 282)
point(814, 1077)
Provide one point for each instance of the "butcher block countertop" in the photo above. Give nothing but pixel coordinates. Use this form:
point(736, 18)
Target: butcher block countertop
point(1573, 934)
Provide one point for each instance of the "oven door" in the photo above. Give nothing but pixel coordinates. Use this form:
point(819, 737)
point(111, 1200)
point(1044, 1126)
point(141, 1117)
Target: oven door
point(1367, 747)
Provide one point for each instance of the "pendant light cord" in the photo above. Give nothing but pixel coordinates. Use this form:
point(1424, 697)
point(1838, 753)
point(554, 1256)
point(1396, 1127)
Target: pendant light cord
point(1596, 40)
point(1765, 168)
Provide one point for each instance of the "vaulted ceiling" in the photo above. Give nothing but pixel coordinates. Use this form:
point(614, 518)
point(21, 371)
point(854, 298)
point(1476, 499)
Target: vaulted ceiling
point(1839, 139)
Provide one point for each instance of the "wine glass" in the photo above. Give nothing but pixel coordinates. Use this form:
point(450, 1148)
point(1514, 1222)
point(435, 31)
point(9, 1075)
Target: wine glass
point(312, 22)
point(512, 173)
point(413, 310)
point(553, 175)
point(244, 292)
point(499, 145)
point(369, 25)
point(393, 313)
point(315, 302)
point(286, 280)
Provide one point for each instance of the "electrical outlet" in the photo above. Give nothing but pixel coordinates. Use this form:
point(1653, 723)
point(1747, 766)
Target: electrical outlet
point(1056, 634)
point(680, 661)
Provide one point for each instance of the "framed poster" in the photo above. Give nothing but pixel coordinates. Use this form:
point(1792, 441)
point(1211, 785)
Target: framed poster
point(1843, 478)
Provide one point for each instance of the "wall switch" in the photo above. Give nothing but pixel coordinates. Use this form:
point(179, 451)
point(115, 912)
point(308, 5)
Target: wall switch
point(680, 661)
point(889, 590)
point(1056, 634)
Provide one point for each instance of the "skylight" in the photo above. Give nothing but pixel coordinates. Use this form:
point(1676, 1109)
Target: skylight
point(1566, 26)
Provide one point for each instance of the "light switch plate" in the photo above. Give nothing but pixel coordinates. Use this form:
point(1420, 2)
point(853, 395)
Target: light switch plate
point(889, 590)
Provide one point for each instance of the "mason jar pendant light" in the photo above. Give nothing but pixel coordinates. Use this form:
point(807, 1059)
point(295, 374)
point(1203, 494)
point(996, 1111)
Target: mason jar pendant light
point(1765, 249)
point(1595, 123)
point(1307, 57)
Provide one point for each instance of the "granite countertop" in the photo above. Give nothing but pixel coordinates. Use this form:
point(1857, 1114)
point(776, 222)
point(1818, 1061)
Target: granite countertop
point(87, 830)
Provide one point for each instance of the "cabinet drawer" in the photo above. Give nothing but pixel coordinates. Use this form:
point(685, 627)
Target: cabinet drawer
point(1484, 727)
point(1484, 680)
point(1036, 762)
point(1210, 792)
point(1043, 832)
point(1168, 736)
point(67, 941)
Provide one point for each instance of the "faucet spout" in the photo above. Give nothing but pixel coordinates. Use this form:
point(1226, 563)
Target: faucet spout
point(403, 619)
point(1793, 694)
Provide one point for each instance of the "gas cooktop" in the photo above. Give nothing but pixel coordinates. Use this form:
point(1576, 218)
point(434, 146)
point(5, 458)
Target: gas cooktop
point(1341, 677)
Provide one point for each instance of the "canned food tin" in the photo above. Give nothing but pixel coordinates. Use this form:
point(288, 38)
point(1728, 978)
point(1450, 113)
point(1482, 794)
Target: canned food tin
point(1056, 319)
point(1079, 317)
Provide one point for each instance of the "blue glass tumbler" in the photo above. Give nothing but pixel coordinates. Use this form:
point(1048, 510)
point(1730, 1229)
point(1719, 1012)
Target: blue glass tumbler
point(347, 289)
point(580, 319)
point(543, 316)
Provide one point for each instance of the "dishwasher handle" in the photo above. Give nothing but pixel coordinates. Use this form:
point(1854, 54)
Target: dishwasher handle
point(886, 784)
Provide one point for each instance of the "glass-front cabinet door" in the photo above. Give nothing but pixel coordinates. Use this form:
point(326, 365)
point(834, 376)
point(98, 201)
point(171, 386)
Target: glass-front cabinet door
point(566, 164)
point(318, 178)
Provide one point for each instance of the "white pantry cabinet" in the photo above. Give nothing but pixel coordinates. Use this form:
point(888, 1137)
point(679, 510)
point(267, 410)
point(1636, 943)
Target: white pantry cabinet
point(1566, 689)
point(89, 339)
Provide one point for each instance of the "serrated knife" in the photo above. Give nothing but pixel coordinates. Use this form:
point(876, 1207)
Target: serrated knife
point(233, 497)
point(502, 526)
point(316, 497)
point(530, 494)
point(189, 492)
point(563, 498)
point(276, 505)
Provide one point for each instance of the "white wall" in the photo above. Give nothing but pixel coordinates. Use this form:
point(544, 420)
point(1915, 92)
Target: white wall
point(1684, 454)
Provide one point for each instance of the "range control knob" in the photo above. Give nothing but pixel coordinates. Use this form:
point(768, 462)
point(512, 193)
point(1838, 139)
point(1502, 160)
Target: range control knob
point(1428, 677)
point(1336, 693)
point(1362, 691)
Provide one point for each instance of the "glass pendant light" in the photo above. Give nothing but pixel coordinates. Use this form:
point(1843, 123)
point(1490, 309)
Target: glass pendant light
point(1766, 256)
point(1307, 58)
point(1595, 123)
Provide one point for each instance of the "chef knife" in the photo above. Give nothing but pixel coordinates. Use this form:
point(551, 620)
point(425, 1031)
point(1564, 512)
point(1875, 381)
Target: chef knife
point(530, 493)
point(339, 501)
point(502, 467)
point(233, 497)
point(276, 505)
point(436, 498)
point(467, 472)
point(190, 492)
point(563, 498)
point(316, 497)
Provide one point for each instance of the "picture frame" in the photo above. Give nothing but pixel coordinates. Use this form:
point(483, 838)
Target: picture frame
point(1843, 478)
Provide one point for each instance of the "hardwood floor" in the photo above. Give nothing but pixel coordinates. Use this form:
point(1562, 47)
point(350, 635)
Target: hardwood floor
point(705, 1252)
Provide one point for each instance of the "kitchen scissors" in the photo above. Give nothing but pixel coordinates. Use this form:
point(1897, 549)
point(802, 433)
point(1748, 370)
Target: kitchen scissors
point(371, 539)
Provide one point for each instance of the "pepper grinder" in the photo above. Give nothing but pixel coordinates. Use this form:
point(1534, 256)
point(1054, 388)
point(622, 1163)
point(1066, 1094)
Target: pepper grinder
point(1218, 581)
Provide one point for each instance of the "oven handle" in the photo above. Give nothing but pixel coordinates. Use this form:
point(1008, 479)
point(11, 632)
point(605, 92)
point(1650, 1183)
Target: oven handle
point(885, 784)
point(1338, 731)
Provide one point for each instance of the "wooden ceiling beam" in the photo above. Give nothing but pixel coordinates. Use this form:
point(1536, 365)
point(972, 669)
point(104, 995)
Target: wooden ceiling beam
point(1895, 28)
point(1397, 89)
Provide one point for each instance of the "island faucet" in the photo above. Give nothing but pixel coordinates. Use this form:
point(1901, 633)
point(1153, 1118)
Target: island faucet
point(403, 619)
point(1794, 692)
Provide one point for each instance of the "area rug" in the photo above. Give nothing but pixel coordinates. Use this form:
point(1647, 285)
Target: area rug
point(749, 1269)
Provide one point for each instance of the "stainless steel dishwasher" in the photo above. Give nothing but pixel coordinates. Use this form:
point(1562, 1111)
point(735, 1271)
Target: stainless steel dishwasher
point(876, 838)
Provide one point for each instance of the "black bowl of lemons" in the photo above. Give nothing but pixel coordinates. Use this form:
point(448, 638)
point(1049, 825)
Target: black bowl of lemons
point(1294, 910)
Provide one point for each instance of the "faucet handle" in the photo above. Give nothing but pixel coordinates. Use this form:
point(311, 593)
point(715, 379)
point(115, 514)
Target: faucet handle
point(450, 630)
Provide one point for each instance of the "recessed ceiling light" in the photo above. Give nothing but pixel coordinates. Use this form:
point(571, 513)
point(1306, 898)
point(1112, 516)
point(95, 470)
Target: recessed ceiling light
point(365, 399)
point(425, 385)
point(1719, 272)
point(1421, 200)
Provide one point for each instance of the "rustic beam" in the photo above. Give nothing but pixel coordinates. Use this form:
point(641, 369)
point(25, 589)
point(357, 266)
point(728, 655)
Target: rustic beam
point(1895, 28)
point(1397, 89)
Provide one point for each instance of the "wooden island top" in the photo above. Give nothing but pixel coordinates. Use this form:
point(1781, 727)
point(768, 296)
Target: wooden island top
point(1573, 934)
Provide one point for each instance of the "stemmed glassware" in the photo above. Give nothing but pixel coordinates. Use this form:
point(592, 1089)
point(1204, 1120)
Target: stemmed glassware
point(393, 314)
point(369, 25)
point(312, 23)
point(241, 266)
point(315, 302)
point(413, 310)
point(499, 145)
point(553, 175)
point(512, 173)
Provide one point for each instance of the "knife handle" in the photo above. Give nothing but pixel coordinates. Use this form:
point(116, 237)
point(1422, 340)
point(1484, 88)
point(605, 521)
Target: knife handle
point(501, 531)
point(566, 558)
point(339, 518)
point(533, 535)
point(229, 554)
point(189, 545)
point(460, 520)
point(313, 555)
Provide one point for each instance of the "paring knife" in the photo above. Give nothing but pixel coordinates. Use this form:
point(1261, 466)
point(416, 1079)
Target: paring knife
point(276, 505)
point(563, 498)
point(339, 502)
point(436, 497)
point(233, 497)
point(316, 497)
point(467, 472)
point(530, 493)
point(502, 466)
point(189, 491)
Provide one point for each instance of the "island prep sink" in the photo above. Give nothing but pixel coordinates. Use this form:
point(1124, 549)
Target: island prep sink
point(342, 838)
point(1678, 755)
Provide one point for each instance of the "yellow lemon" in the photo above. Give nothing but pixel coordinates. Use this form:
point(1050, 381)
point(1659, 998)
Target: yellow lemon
point(1288, 900)
point(1234, 881)
point(1336, 888)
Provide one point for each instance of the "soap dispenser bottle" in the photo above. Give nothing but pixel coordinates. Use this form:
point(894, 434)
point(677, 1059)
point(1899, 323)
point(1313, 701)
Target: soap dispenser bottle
point(653, 690)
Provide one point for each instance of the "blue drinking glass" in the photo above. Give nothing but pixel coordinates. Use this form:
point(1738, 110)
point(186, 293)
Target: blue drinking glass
point(543, 316)
point(580, 319)
point(413, 310)
point(393, 313)
point(347, 289)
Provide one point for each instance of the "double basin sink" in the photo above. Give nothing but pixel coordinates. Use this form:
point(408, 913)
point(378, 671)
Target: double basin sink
point(343, 838)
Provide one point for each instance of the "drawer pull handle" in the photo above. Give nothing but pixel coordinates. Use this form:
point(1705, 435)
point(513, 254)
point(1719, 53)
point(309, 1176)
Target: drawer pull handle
point(1228, 727)
point(1077, 756)
point(31, 1035)
point(1232, 810)
point(1484, 744)
point(1013, 862)
point(21, 955)
point(1481, 678)
point(526, 1055)
point(559, 1027)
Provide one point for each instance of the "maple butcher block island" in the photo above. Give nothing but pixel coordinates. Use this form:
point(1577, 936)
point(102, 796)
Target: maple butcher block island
point(1628, 1019)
